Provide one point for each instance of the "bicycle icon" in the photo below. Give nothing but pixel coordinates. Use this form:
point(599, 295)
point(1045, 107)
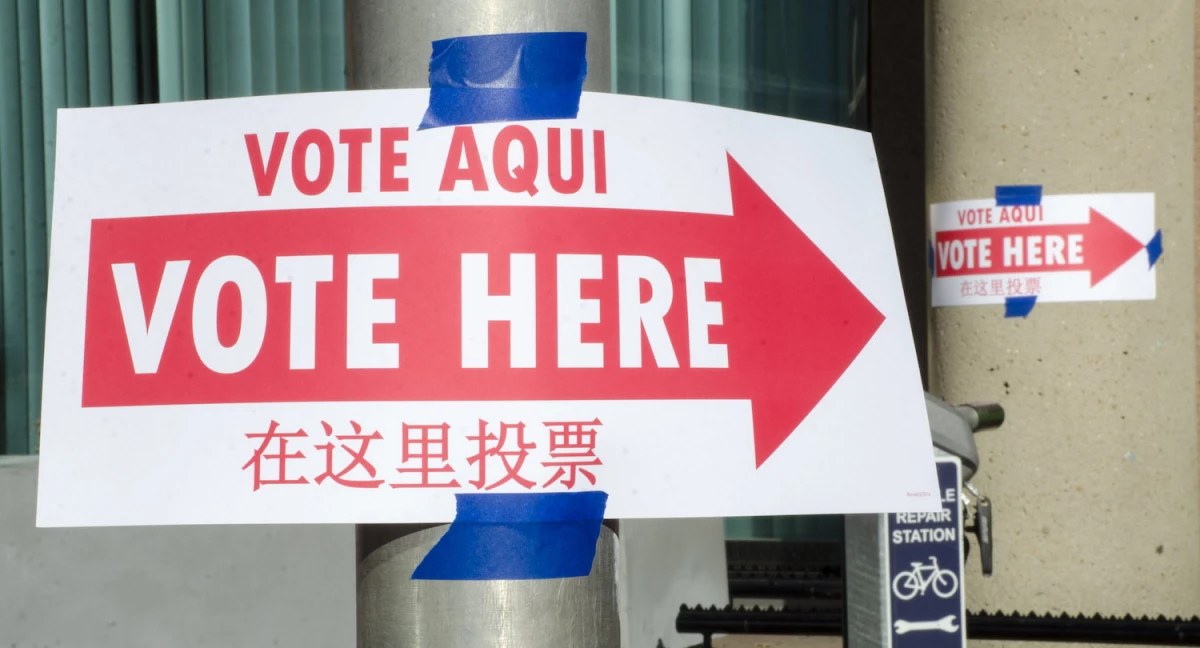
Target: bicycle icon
point(909, 584)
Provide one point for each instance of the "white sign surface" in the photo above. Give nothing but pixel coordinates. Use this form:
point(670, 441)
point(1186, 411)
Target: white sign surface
point(303, 309)
point(1089, 247)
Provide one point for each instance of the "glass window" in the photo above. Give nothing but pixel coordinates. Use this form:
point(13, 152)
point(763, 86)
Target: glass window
point(116, 52)
point(805, 59)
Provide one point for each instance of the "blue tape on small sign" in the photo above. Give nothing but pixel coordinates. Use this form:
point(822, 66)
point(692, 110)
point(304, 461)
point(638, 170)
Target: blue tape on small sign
point(1154, 248)
point(505, 77)
point(517, 536)
point(1019, 306)
point(1018, 195)
point(932, 260)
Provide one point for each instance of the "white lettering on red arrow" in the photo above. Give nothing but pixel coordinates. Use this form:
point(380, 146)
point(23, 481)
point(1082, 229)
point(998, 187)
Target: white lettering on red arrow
point(518, 308)
point(252, 326)
point(147, 338)
point(647, 316)
point(703, 313)
point(1098, 246)
point(480, 309)
point(303, 273)
point(364, 310)
point(574, 311)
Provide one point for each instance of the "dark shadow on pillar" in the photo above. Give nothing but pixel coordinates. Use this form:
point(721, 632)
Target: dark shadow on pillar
point(896, 87)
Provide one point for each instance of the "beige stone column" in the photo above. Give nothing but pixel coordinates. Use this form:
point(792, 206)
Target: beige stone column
point(1196, 181)
point(1094, 475)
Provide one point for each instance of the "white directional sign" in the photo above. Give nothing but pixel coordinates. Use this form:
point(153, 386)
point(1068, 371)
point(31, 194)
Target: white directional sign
point(304, 309)
point(1090, 247)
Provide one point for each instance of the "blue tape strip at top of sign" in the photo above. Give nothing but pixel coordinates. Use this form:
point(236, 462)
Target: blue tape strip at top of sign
point(1018, 195)
point(505, 77)
point(1154, 248)
point(1019, 306)
point(517, 536)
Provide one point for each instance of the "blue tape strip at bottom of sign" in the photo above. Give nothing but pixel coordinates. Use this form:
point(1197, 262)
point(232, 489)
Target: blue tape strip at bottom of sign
point(1019, 306)
point(505, 77)
point(518, 536)
point(1018, 195)
point(1154, 248)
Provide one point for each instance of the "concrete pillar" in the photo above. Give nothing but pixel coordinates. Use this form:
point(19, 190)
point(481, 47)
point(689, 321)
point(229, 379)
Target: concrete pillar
point(1094, 474)
point(1196, 182)
point(659, 563)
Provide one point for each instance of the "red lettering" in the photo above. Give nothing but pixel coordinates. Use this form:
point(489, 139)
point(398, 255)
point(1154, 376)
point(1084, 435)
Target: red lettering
point(390, 158)
point(575, 180)
point(601, 164)
point(572, 447)
point(976, 216)
point(423, 444)
point(424, 461)
point(354, 138)
point(280, 459)
point(264, 175)
point(511, 457)
point(324, 160)
point(358, 457)
point(521, 177)
point(462, 143)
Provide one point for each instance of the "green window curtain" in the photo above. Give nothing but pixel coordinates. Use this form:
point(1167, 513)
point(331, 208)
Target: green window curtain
point(805, 59)
point(78, 53)
point(795, 58)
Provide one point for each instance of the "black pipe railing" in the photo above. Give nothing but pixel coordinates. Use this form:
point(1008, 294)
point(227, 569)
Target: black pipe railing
point(1160, 631)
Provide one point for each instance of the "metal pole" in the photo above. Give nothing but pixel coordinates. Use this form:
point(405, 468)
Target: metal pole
point(388, 46)
point(388, 41)
point(865, 622)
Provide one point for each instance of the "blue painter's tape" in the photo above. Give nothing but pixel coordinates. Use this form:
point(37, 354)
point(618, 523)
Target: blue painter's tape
point(505, 77)
point(932, 260)
point(1019, 306)
point(1018, 195)
point(1154, 248)
point(517, 536)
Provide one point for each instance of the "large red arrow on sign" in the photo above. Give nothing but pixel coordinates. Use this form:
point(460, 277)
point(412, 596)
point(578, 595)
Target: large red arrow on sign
point(792, 322)
point(1098, 246)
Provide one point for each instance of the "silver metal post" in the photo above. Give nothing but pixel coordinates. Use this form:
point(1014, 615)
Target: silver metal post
point(388, 41)
point(866, 582)
point(388, 44)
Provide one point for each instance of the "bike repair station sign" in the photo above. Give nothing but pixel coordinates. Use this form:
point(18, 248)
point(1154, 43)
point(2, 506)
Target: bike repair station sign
point(925, 558)
point(317, 308)
point(1089, 247)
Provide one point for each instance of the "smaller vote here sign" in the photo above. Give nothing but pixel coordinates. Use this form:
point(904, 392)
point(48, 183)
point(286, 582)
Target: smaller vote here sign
point(1090, 247)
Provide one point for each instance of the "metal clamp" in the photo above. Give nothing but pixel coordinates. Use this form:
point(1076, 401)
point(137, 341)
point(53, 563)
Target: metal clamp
point(982, 527)
point(953, 429)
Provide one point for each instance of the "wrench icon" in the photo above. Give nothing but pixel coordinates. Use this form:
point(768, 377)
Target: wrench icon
point(945, 624)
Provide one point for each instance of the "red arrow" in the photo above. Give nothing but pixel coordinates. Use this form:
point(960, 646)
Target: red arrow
point(793, 323)
point(1103, 246)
